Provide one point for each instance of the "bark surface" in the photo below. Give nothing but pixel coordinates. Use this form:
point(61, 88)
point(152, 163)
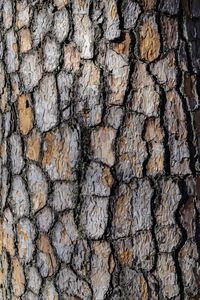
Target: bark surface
point(100, 140)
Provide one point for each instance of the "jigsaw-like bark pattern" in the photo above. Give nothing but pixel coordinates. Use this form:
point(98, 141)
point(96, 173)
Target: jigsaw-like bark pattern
point(100, 139)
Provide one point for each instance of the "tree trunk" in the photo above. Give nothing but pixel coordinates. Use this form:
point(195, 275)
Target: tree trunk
point(100, 138)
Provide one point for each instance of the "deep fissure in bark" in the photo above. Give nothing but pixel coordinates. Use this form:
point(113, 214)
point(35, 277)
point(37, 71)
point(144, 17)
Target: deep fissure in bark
point(100, 141)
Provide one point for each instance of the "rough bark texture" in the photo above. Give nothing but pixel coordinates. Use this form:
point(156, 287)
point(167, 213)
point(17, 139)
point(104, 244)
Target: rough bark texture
point(100, 139)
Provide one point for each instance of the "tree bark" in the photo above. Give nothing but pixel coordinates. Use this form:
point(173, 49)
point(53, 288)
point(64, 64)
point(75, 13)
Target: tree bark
point(100, 140)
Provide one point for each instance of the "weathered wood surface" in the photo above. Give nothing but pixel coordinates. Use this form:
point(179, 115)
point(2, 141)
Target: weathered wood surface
point(100, 139)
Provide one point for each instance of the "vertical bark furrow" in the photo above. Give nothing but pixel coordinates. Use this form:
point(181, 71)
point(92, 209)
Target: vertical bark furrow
point(99, 149)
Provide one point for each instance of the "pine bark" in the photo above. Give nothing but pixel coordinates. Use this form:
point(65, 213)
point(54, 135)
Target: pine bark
point(100, 143)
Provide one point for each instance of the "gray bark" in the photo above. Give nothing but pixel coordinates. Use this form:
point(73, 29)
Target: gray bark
point(99, 149)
